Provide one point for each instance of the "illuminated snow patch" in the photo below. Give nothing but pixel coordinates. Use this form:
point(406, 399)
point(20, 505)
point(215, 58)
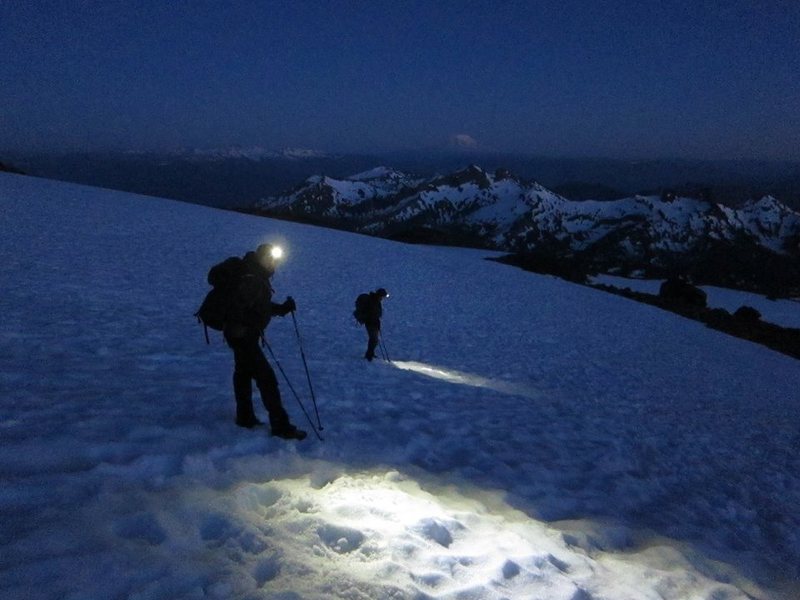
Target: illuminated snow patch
point(458, 377)
point(385, 535)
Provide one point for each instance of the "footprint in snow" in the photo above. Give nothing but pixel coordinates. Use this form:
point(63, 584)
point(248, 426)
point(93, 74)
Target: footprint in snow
point(436, 532)
point(340, 539)
point(142, 527)
point(266, 570)
point(216, 528)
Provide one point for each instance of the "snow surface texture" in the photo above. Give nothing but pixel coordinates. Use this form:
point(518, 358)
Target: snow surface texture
point(534, 439)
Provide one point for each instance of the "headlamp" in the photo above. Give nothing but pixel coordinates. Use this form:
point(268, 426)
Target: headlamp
point(276, 252)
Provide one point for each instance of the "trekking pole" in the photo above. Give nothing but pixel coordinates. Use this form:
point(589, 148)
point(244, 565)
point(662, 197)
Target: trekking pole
point(383, 349)
point(308, 376)
point(289, 383)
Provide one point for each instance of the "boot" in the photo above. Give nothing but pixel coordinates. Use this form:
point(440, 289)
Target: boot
point(290, 432)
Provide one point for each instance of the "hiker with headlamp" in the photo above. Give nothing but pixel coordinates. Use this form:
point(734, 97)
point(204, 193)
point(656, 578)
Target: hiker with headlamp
point(368, 312)
point(247, 315)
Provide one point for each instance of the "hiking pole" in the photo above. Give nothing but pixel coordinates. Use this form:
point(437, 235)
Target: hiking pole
point(383, 349)
point(308, 376)
point(291, 387)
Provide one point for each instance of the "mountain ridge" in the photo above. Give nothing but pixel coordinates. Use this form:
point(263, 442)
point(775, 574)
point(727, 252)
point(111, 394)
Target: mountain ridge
point(237, 176)
point(500, 211)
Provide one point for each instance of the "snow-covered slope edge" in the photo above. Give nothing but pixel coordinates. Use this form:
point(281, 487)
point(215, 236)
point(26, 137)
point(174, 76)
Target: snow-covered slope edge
point(633, 446)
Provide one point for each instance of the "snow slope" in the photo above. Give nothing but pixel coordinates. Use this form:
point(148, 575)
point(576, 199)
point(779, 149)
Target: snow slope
point(532, 439)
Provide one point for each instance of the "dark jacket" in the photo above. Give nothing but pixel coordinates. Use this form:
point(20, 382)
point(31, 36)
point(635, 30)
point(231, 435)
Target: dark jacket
point(374, 310)
point(252, 306)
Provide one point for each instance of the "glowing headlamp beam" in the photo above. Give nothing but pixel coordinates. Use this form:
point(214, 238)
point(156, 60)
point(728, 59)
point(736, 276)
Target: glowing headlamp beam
point(453, 376)
point(276, 252)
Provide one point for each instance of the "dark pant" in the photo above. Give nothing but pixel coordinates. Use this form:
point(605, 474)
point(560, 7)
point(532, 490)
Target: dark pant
point(250, 363)
point(374, 333)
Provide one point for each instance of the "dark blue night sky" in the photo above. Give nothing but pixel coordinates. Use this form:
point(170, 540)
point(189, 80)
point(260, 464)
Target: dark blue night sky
point(633, 78)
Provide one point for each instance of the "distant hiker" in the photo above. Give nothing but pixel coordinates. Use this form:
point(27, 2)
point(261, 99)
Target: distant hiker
point(248, 308)
point(368, 312)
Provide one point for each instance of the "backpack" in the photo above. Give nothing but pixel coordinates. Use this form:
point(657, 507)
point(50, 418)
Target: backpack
point(361, 313)
point(224, 279)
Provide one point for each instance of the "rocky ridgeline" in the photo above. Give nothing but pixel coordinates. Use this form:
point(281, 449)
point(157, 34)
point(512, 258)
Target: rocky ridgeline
point(754, 246)
point(689, 301)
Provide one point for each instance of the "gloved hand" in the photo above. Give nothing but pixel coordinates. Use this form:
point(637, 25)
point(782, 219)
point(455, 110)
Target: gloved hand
point(289, 305)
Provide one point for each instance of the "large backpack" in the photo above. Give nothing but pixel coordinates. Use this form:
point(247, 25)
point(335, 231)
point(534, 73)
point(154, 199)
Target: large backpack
point(224, 279)
point(361, 313)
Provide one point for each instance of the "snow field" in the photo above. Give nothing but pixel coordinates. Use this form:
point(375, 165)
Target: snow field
point(533, 439)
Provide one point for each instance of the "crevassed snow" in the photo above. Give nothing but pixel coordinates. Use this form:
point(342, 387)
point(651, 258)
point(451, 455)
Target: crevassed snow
point(535, 439)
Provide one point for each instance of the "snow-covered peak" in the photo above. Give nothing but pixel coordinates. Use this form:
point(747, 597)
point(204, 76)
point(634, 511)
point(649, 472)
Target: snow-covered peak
point(472, 174)
point(774, 224)
point(378, 173)
point(500, 211)
point(765, 204)
point(302, 153)
point(249, 153)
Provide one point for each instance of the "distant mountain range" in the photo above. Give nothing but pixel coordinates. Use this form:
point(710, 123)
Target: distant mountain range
point(726, 223)
point(752, 246)
point(223, 177)
point(253, 153)
point(236, 177)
